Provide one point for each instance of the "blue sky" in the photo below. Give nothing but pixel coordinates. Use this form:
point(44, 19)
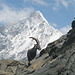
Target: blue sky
point(59, 13)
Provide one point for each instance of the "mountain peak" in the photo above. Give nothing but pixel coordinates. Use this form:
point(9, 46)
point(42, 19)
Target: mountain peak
point(38, 15)
point(38, 12)
point(35, 13)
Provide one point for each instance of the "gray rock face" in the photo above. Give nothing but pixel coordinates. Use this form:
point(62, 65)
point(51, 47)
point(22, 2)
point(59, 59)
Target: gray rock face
point(73, 24)
point(58, 58)
point(9, 67)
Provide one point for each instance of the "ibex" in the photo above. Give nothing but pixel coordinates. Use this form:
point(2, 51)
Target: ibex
point(32, 52)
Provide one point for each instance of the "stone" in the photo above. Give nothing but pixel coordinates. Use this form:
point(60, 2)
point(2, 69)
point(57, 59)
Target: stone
point(73, 24)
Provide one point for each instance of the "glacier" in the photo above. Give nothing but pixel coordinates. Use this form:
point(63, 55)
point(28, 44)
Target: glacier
point(15, 41)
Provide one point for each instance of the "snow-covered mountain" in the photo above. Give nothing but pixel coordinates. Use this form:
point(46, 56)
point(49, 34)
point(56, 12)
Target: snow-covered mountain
point(14, 38)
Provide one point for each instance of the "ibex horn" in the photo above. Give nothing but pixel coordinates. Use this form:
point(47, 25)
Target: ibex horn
point(35, 39)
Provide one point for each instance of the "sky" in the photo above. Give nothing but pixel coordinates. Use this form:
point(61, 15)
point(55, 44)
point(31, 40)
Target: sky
point(58, 13)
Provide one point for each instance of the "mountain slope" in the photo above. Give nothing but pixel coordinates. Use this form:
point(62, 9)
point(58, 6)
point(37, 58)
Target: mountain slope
point(58, 58)
point(14, 38)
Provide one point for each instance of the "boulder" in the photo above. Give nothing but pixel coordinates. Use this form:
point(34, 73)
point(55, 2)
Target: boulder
point(73, 24)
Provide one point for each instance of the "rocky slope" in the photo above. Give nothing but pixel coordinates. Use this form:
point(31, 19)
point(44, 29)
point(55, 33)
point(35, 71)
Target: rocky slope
point(58, 58)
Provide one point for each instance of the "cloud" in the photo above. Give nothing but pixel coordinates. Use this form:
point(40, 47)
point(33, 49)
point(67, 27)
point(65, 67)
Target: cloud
point(72, 2)
point(9, 14)
point(59, 4)
point(53, 24)
point(65, 29)
point(41, 2)
point(64, 3)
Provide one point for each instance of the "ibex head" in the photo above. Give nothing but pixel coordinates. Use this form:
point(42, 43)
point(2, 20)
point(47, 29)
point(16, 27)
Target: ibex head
point(36, 45)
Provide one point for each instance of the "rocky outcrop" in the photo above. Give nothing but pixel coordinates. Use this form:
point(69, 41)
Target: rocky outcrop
point(73, 24)
point(9, 67)
point(58, 58)
point(64, 52)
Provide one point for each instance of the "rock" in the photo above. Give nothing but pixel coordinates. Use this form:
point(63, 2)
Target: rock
point(5, 73)
point(36, 64)
point(9, 67)
point(4, 63)
point(54, 47)
point(42, 52)
point(73, 24)
point(23, 71)
point(63, 64)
